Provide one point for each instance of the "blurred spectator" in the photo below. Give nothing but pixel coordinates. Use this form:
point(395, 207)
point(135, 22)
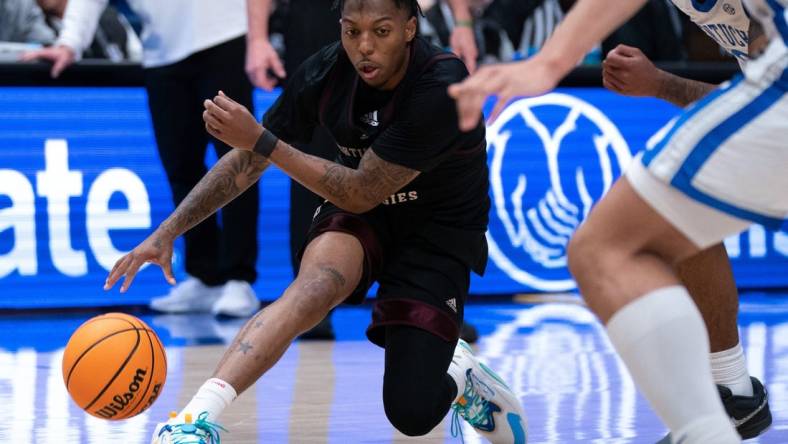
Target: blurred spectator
point(450, 24)
point(192, 49)
point(656, 30)
point(526, 25)
point(114, 39)
point(503, 29)
point(22, 21)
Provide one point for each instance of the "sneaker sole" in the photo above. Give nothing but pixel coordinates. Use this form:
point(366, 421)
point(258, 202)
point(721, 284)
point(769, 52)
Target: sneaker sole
point(517, 421)
point(757, 425)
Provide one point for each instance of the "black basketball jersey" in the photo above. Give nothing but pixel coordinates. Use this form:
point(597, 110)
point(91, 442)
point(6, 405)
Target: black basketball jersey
point(413, 125)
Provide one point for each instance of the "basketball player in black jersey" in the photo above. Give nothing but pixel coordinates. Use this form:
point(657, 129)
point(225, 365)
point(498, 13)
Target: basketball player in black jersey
point(406, 206)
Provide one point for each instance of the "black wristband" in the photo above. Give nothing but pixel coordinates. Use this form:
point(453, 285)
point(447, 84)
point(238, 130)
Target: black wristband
point(265, 144)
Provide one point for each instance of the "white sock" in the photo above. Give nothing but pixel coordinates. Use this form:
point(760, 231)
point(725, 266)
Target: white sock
point(213, 397)
point(663, 341)
point(729, 369)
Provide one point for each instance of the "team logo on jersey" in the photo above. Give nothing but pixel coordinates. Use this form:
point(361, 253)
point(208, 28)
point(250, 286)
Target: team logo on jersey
point(729, 9)
point(538, 204)
point(370, 119)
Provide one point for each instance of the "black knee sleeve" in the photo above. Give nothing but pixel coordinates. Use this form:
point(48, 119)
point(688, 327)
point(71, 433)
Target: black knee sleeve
point(417, 392)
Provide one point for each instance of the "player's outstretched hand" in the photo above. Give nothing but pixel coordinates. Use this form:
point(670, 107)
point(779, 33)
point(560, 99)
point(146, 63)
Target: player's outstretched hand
point(531, 77)
point(157, 249)
point(231, 122)
point(626, 70)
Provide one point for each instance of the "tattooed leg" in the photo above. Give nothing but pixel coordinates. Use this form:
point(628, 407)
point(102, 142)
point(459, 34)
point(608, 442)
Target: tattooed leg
point(330, 271)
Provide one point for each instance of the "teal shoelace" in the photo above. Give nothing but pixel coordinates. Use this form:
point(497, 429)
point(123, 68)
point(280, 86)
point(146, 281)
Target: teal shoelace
point(201, 431)
point(472, 407)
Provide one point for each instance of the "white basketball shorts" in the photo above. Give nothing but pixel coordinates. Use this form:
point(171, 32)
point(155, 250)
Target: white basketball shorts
point(723, 163)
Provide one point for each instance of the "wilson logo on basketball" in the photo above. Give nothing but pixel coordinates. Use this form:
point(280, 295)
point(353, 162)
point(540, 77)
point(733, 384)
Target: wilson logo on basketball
point(121, 401)
point(153, 396)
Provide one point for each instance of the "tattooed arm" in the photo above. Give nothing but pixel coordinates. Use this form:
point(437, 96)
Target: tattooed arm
point(233, 174)
point(681, 91)
point(626, 70)
point(355, 190)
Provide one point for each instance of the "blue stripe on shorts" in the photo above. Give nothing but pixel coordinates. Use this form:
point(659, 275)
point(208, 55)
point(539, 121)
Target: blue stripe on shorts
point(687, 114)
point(779, 18)
point(716, 138)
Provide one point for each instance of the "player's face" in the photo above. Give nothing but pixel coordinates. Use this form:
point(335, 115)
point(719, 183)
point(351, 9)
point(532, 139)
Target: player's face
point(375, 35)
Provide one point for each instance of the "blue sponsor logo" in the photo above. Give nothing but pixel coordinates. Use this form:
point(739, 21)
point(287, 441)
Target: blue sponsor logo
point(573, 153)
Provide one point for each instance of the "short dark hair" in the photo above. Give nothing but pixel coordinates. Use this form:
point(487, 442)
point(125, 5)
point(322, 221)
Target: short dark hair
point(414, 10)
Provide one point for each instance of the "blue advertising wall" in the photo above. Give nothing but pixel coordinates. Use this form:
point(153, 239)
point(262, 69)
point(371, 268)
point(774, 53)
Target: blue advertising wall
point(81, 183)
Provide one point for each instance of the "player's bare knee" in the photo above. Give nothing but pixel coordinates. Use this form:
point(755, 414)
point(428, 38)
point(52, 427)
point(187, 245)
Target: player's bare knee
point(317, 291)
point(311, 301)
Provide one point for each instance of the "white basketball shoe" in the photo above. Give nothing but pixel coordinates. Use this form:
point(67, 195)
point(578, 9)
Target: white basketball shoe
point(201, 431)
point(237, 299)
point(487, 403)
point(189, 296)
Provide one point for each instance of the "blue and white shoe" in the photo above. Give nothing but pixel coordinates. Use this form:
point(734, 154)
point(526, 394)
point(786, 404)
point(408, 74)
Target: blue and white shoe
point(487, 403)
point(201, 431)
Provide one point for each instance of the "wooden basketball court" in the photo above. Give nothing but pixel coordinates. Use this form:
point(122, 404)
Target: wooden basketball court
point(554, 355)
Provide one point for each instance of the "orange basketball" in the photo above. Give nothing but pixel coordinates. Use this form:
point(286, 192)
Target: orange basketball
point(114, 366)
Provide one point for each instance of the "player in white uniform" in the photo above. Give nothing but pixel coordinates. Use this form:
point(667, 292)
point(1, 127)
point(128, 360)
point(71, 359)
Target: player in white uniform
point(709, 174)
point(707, 275)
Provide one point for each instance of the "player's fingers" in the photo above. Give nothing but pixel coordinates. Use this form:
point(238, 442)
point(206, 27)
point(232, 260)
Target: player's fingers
point(608, 71)
point(217, 112)
point(131, 273)
point(222, 94)
point(118, 263)
point(485, 82)
point(614, 83)
point(454, 90)
point(627, 51)
point(613, 67)
point(469, 108)
point(500, 104)
point(166, 268)
point(611, 85)
point(212, 120)
point(471, 85)
point(614, 60)
point(480, 82)
point(117, 271)
point(224, 102)
point(616, 77)
point(215, 132)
